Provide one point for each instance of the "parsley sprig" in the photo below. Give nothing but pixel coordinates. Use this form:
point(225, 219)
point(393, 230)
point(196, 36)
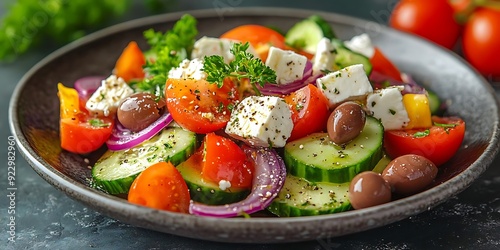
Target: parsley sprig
point(244, 65)
point(167, 51)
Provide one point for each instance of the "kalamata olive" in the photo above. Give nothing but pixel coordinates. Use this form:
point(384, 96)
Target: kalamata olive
point(409, 174)
point(139, 110)
point(346, 122)
point(369, 189)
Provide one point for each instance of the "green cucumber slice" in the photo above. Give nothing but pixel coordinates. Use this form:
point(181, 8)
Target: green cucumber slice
point(299, 197)
point(316, 158)
point(346, 57)
point(207, 192)
point(382, 164)
point(324, 25)
point(434, 103)
point(307, 33)
point(115, 171)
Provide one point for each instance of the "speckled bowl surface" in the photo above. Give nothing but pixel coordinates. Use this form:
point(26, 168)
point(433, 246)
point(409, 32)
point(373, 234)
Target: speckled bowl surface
point(34, 114)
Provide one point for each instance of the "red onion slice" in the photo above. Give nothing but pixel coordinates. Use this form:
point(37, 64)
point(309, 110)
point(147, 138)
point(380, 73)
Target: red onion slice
point(283, 89)
point(86, 86)
point(122, 138)
point(268, 179)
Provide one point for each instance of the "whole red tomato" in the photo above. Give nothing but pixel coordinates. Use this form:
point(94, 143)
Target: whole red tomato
point(431, 19)
point(481, 41)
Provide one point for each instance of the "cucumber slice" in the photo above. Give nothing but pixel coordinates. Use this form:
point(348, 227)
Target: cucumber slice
point(115, 171)
point(346, 57)
point(316, 158)
point(204, 191)
point(434, 103)
point(299, 197)
point(324, 25)
point(382, 164)
point(307, 33)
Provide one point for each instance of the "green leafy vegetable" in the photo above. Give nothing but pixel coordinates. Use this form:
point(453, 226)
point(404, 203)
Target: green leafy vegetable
point(244, 65)
point(445, 125)
point(98, 123)
point(31, 22)
point(421, 134)
point(167, 51)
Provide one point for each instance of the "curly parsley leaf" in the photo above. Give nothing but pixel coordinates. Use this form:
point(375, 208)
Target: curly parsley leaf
point(167, 50)
point(244, 65)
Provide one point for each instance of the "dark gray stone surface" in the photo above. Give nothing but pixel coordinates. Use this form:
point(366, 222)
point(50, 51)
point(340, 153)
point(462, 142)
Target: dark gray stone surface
point(47, 218)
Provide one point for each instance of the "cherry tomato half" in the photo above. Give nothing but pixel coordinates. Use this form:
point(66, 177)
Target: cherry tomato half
point(200, 106)
point(438, 143)
point(80, 132)
point(383, 65)
point(309, 111)
point(260, 37)
point(225, 160)
point(431, 19)
point(160, 186)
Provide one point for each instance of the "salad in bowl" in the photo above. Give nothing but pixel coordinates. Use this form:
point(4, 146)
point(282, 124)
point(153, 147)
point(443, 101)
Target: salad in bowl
point(297, 123)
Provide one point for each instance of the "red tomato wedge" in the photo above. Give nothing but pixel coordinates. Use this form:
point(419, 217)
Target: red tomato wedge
point(129, 64)
point(79, 132)
point(160, 186)
point(384, 66)
point(309, 111)
point(438, 143)
point(225, 160)
point(200, 106)
point(260, 37)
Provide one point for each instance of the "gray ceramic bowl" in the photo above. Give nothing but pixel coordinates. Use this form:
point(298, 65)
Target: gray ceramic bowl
point(34, 121)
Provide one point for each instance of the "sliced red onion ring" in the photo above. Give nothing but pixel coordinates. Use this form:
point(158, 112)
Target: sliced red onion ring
point(268, 179)
point(122, 138)
point(86, 86)
point(380, 80)
point(283, 89)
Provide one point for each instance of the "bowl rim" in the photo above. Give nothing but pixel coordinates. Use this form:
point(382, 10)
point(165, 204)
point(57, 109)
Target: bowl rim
point(94, 198)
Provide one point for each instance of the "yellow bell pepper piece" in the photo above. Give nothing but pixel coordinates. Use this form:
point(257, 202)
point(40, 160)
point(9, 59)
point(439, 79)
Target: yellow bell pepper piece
point(69, 101)
point(419, 112)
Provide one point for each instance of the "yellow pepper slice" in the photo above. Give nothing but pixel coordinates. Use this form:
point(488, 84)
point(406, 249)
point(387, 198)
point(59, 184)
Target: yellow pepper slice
point(418, 109)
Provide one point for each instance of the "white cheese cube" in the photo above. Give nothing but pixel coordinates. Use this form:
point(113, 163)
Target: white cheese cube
point(189, 69)
point(324, 59)
point(106, 99)
point(349, 83)
point(289, 66)
point(361, 44)
point(208, 46)
point(387, 106)
point(261, 121)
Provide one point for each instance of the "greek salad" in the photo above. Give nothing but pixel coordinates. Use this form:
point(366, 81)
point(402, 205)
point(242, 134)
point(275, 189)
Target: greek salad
point(297, 123)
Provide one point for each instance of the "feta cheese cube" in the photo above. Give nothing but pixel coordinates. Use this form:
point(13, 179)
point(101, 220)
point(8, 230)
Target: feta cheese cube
point(223, 185)
point(261, 121)
point(324, 59)
point(106, 99)
point(289, 66)
point(387, 106)
point(361, 44)
point(189, 69)
point(349, 83)
point(208, 46)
